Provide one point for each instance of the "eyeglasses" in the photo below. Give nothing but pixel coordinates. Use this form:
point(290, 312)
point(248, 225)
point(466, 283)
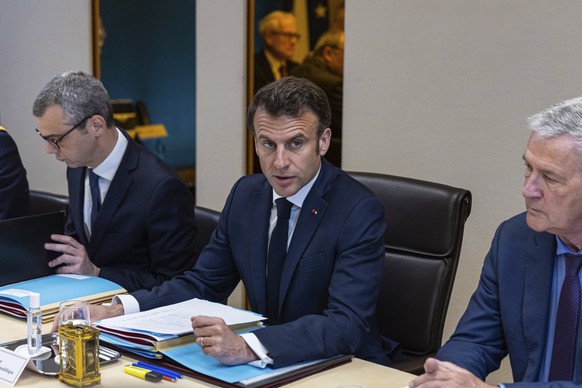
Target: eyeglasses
point(288, 35)
point(55, 142)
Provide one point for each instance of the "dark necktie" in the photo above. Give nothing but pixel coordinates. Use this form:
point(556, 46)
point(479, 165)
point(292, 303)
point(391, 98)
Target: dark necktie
point(276, 257)
point(95, 196)
point(283, 71)
point(564, 351)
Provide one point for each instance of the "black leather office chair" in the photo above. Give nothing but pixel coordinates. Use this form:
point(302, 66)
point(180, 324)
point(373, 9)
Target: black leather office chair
point(206, 222)
point(425, 223)
point(45, 202)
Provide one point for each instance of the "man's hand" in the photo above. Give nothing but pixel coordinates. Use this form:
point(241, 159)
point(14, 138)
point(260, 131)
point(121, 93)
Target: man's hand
point(74, 258)
point(217, 340)
point(96, 312)
point(446, 375)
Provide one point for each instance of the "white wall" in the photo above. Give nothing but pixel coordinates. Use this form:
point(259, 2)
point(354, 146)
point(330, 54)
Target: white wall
point(221, 98)
point(440, 90)
point(220, 104)
point(38, 40)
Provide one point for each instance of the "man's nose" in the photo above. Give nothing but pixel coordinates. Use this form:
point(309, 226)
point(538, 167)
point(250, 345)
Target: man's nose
point(531, 186)
point(282, 158)
point(49, 148)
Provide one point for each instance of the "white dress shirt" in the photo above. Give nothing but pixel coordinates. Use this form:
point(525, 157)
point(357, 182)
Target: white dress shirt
point(106, 171)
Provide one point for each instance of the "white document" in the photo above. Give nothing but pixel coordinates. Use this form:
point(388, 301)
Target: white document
point(11, 366)
point(175, 319)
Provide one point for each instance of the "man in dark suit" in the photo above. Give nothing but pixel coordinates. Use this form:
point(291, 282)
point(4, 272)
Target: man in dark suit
point(280, 36)
point(330, 277)
point(326, 68)
point(518, 308)
point(135, 224)
point(14, 194)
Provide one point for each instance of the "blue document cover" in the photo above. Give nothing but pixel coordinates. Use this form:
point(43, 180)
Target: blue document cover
point(191, 356)
point(54, 289)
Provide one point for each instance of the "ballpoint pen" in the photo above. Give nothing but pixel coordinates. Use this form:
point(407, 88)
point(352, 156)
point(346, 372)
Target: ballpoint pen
point(159, 369)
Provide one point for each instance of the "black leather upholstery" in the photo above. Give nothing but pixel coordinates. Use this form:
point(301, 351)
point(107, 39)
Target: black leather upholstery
point(206, 222)
point(425, 223)
point(45, 202)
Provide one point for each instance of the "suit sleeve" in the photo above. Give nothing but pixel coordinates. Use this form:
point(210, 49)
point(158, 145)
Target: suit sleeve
point(14, 199)
point(213, 277)
point(478, 343)
point(171, 232)
point(344, 325)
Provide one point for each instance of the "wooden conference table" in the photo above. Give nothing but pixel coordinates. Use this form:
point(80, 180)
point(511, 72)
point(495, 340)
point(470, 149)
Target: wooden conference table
point(358, 373)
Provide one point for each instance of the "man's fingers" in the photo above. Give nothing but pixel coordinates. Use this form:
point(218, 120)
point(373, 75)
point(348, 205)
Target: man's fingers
point(203, 320)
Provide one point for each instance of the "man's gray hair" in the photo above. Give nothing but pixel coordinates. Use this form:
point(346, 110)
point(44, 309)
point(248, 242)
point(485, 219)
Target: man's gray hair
point(563, 118)
point(271, 22)
point(79, 95)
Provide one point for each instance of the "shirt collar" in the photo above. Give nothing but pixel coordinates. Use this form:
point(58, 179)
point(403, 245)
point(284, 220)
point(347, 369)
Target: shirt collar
point(563, 248)
point(298, 198)
point(108, 167)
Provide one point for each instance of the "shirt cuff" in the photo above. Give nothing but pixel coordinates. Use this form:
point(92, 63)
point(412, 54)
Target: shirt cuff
point(257, 347)
point(129, 303)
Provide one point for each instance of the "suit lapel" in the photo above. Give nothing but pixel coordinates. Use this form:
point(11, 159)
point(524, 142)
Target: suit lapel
point(115, 195)
point(538, 269)
point(312, 212)
point(77, 200)
point(258, 242)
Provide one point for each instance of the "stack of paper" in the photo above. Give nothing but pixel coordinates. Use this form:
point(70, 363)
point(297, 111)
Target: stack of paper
point(54, 289)
point(150, 332)
point(166, 332)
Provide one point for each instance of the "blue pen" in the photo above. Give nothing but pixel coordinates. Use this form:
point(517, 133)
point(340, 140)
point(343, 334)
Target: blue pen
point(155, 368)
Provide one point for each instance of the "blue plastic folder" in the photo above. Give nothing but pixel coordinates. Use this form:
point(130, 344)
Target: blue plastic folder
point(54, 289)
point(191, 357)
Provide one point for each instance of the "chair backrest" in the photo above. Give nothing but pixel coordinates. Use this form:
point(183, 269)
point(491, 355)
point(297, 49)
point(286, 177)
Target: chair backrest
point(45, 202)
point(206, 222)
point(425, 223)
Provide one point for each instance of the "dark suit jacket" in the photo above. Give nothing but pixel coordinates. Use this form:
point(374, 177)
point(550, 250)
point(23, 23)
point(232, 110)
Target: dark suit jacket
point(331, 275)
point(508, 313)
point(263, 74)
point(315, 70)
point(144, 233)
point(14, 194)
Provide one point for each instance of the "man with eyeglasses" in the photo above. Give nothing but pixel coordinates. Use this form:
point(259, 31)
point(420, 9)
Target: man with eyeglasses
point(280, 36)
point(130, 218)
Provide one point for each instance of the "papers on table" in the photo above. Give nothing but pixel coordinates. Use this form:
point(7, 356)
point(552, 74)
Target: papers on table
point(166, 332)
point(170, 326)
point(54, 289)
point(175, 319)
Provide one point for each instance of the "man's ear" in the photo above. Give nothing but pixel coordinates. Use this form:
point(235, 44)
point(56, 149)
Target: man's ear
point(97, 125)
point(324, 141)
point(326, 53)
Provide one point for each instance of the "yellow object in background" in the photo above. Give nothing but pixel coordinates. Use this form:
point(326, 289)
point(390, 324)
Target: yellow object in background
point(151, 131)
point(142, 373)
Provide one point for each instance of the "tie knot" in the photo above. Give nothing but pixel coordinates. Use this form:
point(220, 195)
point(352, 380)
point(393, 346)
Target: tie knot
point(283, 208)
point(573, 264)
